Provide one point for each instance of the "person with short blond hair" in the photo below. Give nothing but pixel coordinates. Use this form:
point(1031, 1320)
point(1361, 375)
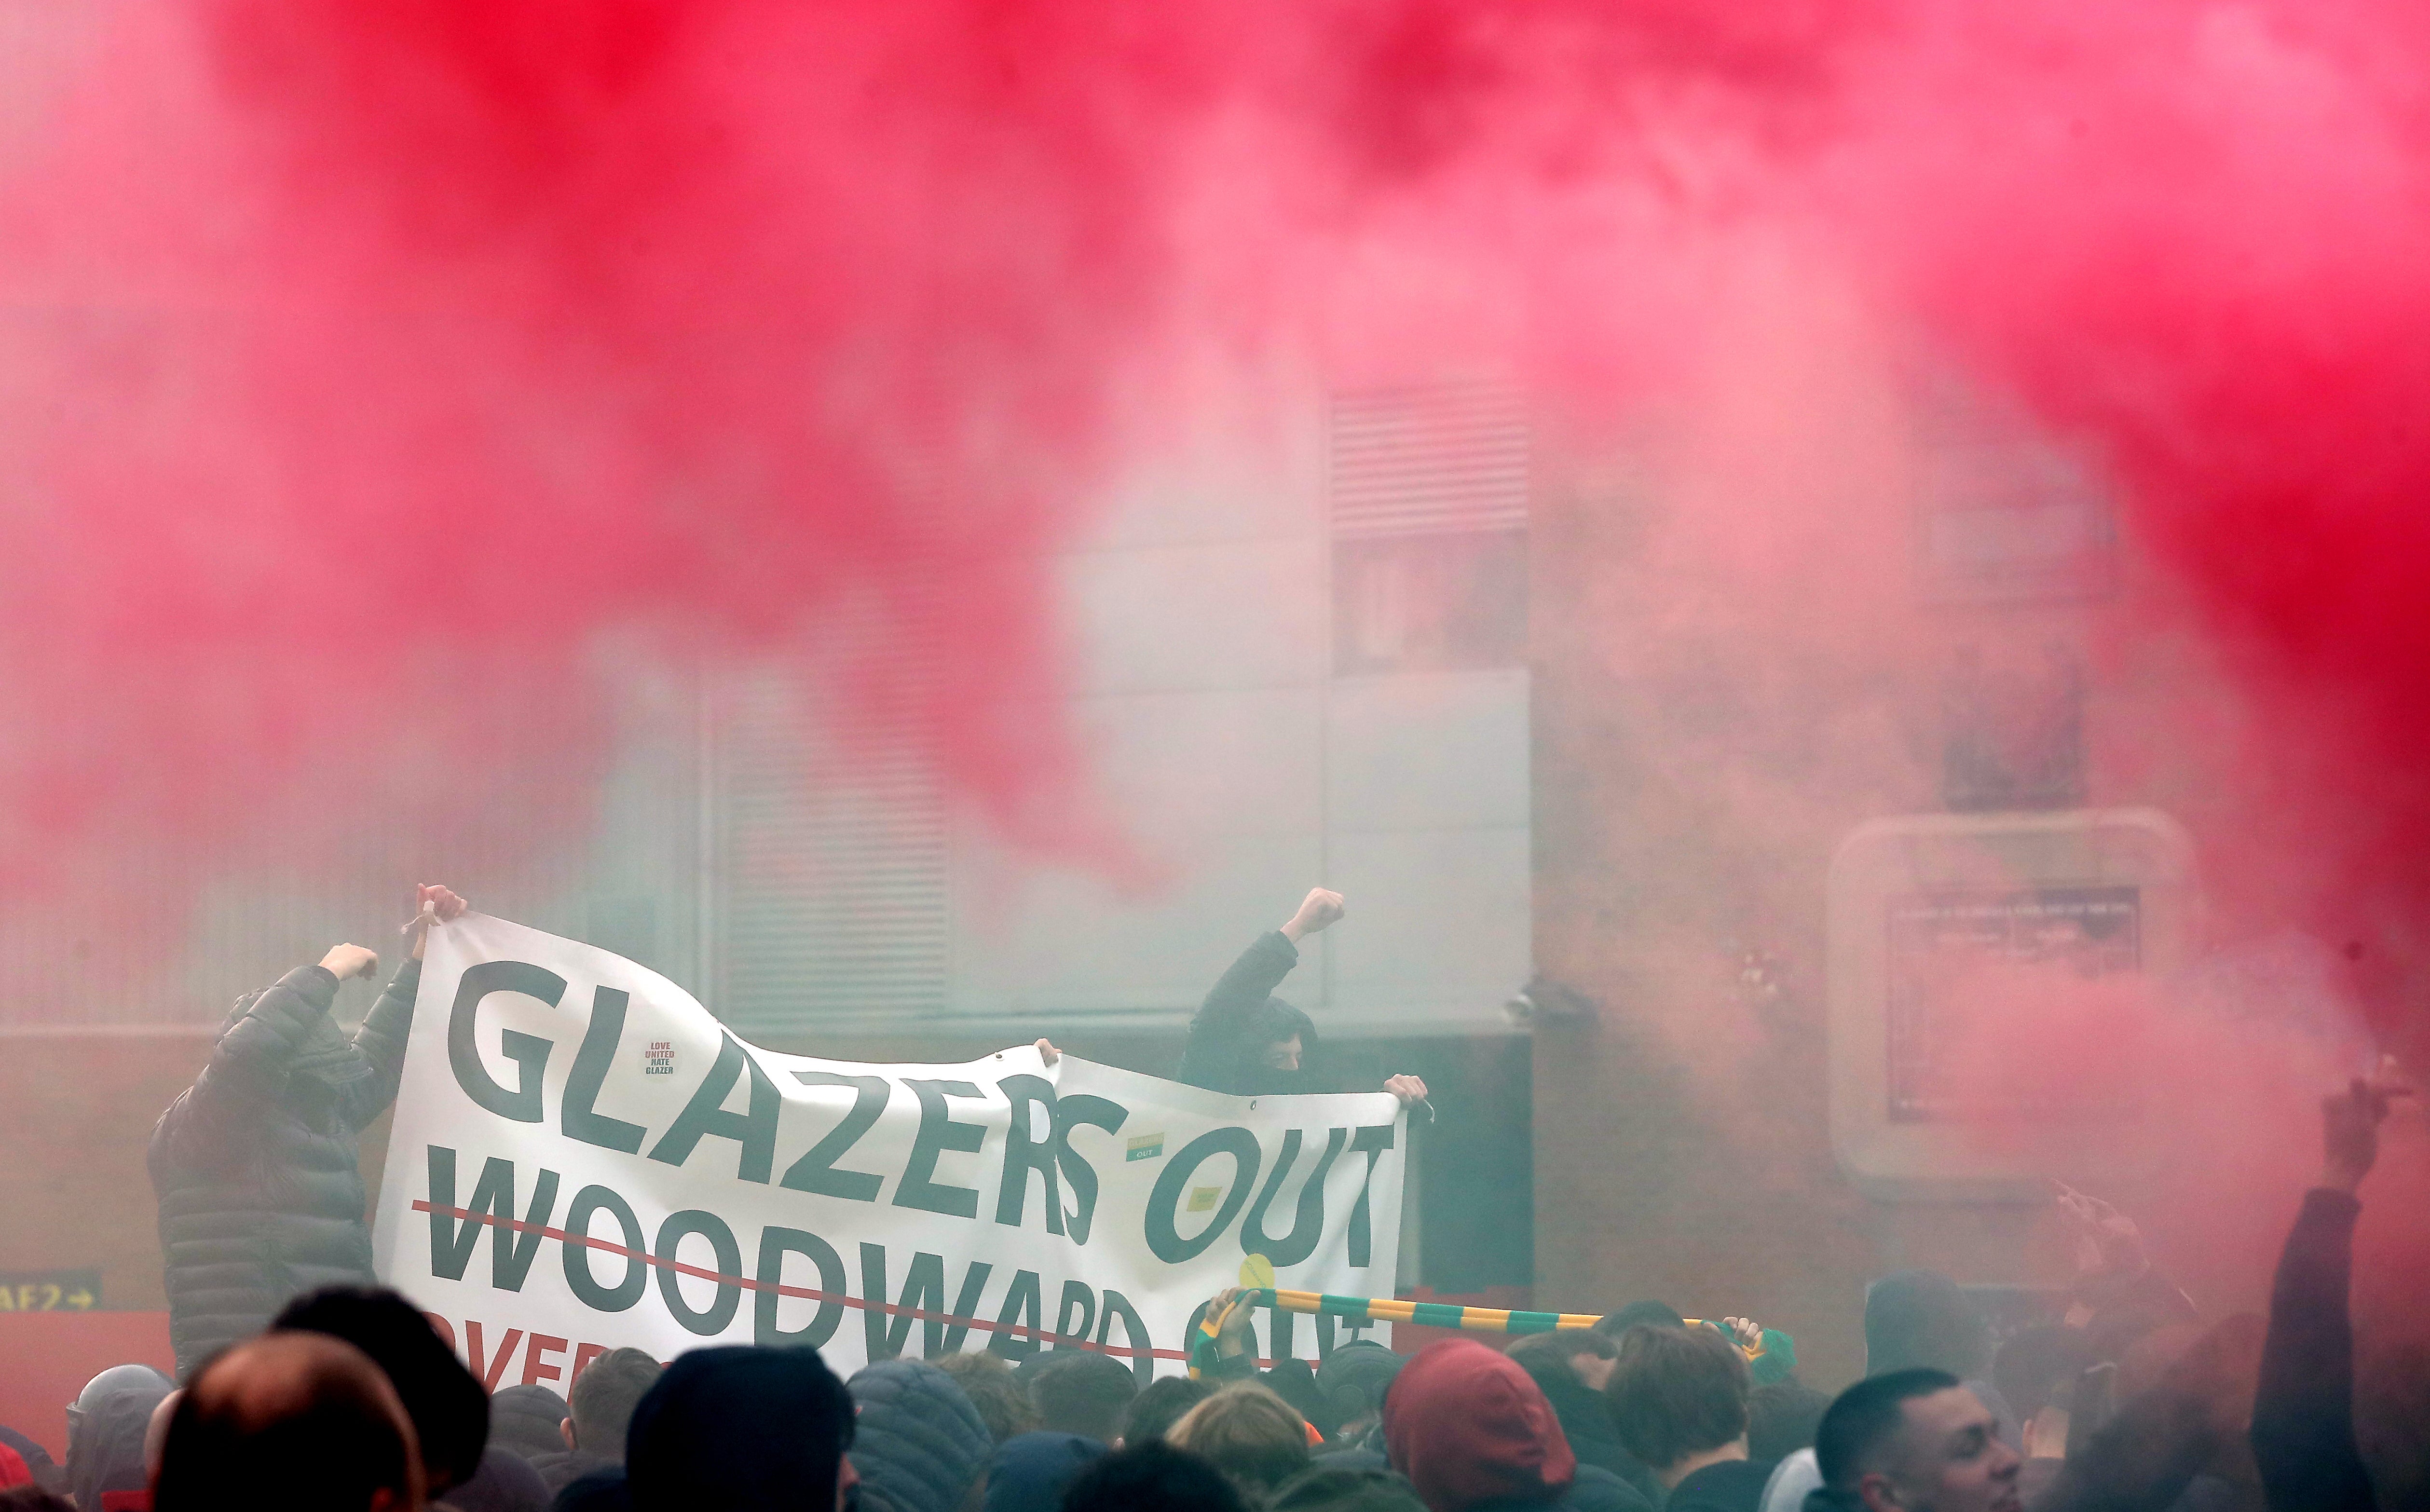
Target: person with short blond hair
point(1249, 1433)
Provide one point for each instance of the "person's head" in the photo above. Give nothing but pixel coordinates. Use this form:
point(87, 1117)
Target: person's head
point(156, 1434)
point(107, 1424)
point(32, 1496)
point(1083, 1393)
point(1923, 1319)
point(601, 1402)
point(1342, 1489)
point(504, 1483)
point(450, 1411)
point(526, 1420)
point(742, 1429)
point(1781, 1419)
point(1156, 1409)
point(1352, 1381)
point(1660, 1313)
point(1002, 1400)
point(922, 1446)
point(1465, 1425)
point(1152, 1476)
point(37, 1460)
point(1678, 1395)
point(1278, 1037)
point(2035, 1371)
point(1915, 1440)
point(1581, 1355)
point(293, 1421)
point(109, 1385)
point(1030, 1471)
point(1249, 1433)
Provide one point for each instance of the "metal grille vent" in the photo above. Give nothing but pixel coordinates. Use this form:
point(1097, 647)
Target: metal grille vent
point(830, 853)
point(1426, 460)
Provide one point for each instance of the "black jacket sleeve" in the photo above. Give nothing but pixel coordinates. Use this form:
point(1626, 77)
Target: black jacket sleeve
point(1219, 1033)
point(2303, 1413)
point(246, 1072)
point(382, 1041)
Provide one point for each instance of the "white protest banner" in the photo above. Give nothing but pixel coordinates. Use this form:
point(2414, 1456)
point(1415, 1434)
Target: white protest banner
point(583, 1159)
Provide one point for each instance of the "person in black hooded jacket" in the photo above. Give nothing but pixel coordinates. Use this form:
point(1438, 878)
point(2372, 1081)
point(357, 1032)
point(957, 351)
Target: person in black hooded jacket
point(1571, 1366)
point(255, 1164)
point(1248, 1042)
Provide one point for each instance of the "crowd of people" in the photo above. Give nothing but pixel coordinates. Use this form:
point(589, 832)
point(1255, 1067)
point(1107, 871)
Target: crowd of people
point(329, 1392)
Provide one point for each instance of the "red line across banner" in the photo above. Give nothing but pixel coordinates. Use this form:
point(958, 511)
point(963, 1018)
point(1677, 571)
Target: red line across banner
point(840, 1299)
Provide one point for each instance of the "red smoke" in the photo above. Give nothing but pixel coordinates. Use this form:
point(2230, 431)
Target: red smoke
point(374, 359)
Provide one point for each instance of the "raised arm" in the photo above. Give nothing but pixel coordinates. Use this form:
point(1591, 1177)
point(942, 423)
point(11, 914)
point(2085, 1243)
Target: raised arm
point(2113, 1271)
point(1220, 1031)
point(249, 1065)
point(386, 1028)
point(2303, 1412)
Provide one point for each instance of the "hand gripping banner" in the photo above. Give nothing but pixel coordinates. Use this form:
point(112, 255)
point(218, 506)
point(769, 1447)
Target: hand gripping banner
point(584, 1158)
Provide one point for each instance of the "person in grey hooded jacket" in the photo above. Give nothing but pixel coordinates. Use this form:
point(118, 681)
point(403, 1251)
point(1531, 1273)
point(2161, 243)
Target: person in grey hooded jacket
point(106, 1427)
point(255, 1164)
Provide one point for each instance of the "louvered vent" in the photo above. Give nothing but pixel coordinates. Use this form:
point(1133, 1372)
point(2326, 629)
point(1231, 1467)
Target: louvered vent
point(1428, 489)
point(1428, 461)
point(828, 831)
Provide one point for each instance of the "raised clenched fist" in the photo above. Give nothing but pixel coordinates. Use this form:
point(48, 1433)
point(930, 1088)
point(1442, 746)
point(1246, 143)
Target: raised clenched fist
point(344, 961)
point(2350, 1127)
point(1319, 908)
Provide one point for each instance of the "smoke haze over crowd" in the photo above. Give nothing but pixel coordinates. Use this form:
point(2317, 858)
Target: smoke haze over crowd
point(369, 367)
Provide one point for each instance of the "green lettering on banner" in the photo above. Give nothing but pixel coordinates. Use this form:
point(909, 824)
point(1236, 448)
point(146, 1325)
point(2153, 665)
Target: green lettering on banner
point(511, 1252)
point(1081, 1110)
point(1133, 1333)
point(938, 1134)
point(528, 1052)
point(775, 1244)
point(1164, 1240)
point(966, 1304)
point(1372, 1141)
point(754, 1130)
point(1077, 1299)
point(578, 1277)
point(1024, 1154)
point(727, 1264)
point(1307, 1225)
point(1023, 1308)
point(923, 1287)
point(815, 1172)
point(592, 1060)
